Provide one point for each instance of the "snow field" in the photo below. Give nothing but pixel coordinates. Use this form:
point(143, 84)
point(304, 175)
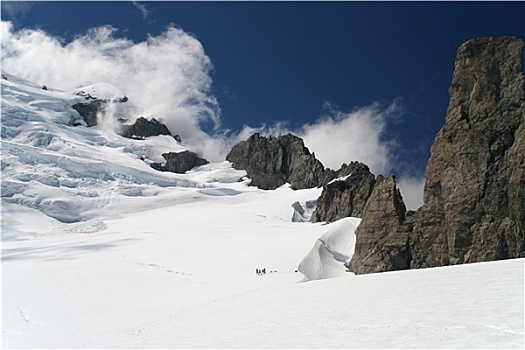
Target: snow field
point(183, 276)
point(146, 264)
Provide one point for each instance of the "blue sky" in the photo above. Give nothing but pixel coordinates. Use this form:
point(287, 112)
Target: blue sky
point(292, 63)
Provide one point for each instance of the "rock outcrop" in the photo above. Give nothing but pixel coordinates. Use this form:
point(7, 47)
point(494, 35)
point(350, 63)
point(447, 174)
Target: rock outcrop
point(92, 107)
point(346, 194)
point(143, 128)
point(89, 112)
point(474, 198)
point(179, 162)
point(383, 236)
point(271, 162)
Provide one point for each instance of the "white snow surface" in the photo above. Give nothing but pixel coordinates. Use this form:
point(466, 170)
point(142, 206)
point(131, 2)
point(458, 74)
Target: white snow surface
point(99, 250)
point(341, 178)
point(334, 248)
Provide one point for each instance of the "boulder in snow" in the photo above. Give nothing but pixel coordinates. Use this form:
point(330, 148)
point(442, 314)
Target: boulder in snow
point(179, 162)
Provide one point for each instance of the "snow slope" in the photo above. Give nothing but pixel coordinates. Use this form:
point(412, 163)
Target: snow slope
point(101, 251)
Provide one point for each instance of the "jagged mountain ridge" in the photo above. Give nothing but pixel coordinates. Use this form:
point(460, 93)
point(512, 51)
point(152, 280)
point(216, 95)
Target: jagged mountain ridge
point(271, 162)
point(474, 205)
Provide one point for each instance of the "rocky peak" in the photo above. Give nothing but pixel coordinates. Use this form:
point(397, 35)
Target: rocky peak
point(273, 161)
point(382, 240)
point(89, 112)
point(143, 128)
point(345, 194)
point(179, 162)
point(474, 197)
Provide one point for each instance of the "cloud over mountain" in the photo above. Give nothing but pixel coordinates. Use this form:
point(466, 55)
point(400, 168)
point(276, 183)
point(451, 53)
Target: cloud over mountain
point(168, 77)
point(165, 76)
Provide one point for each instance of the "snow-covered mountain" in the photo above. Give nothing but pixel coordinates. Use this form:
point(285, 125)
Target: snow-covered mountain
point(101, 250)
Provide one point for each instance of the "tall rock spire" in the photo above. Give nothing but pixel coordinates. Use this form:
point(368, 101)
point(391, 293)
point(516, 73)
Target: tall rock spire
point(474, 197)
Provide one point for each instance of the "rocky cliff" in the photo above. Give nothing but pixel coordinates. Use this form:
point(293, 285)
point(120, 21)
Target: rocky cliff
point(94, 105)
point(273, 161)
point(179, 162)
point(474, 198)
point(143, 128)
point(346, 194)
point(382, 237)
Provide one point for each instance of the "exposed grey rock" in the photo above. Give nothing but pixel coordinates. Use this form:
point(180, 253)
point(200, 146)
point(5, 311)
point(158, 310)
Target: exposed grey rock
point(179, 162)
point(271, 162)
point(91, 108)
point(89, 112)
point(382, 237)
point(346, 194)
point(143, 128)
point(474, 197)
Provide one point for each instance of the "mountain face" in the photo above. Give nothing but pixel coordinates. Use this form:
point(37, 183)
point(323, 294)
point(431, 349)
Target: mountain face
point(273, 161)
point(143, 128)
point(346, 194)
point(76, 175)
point(382, 237)
point(179, 162)
point(474, 199)
point(95, 100)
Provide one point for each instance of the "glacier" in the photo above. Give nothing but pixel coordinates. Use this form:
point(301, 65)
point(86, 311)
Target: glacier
point(99, 250)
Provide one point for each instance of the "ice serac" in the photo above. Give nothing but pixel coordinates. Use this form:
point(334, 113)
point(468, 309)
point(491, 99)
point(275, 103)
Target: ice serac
point(346, 194)
point(383, 236)
point(335, 247)
point(270, 162)
point(474, 197)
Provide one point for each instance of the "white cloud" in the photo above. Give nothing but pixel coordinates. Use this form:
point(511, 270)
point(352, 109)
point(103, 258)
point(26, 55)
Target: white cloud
point(339, 137)
point(165, 76)
point(412, 191)
point(142, 8)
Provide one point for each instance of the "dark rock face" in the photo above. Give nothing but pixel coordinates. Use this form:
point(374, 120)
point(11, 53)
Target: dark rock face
point(273, 161)
point(143, 128)
point(91, 108)
point(179, 162)
point(383, 236)
point(474, 197)
point(89, 111)
point(346, 194)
